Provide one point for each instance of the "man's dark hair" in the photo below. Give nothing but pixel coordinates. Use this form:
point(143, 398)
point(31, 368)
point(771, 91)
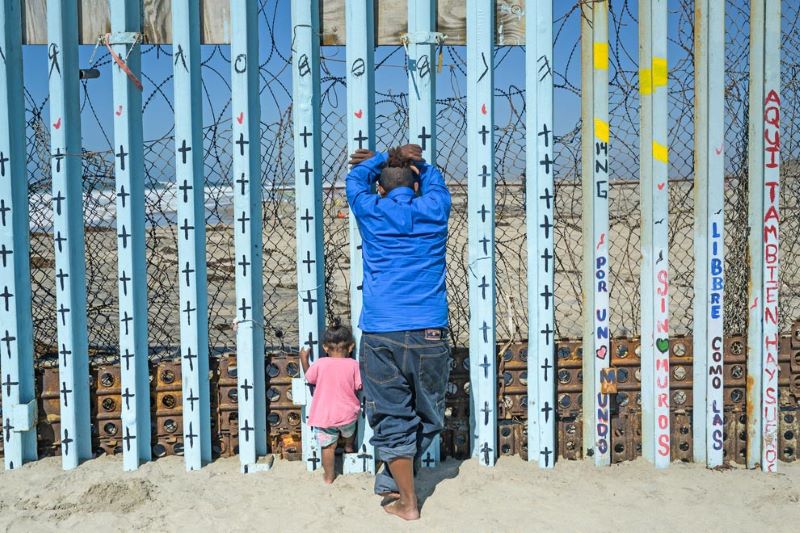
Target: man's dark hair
point(338, 334)
point(397, 172)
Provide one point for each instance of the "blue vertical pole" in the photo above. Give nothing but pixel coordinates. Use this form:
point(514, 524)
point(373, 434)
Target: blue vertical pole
point(308, 186)
point(654, 190)
point(596, 340)
point(66, 168)
point(247, 233)
point(360, 52)
point(191, 233)
point(16, 344)
point(126, 22)
point(421, 42)
point(540, 198)
point(709, 236)
point(480, 218)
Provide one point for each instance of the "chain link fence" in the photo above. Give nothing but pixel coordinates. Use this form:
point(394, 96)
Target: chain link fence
point(280, 296)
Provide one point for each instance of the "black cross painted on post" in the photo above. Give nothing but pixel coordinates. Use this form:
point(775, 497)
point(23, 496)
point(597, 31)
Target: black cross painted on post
point(306, 171)
point(484, 174)
point(127, 356)
point(485, 365)
point(124, 278)
point(310, 343)
point(545, 367)
point(186, 271)
point(313, 460)
point(485, 241)
point(185, 228)
point(128, 395)
point(485, 450)
point(8, 384)
point(246, 388)
point(546, 225)
point(307, 218)
point(243, 181)
point(244, 263)
point(305, 135)
point(310, 301)
point(64, 353)
point(4, 253)
point(121, 155)
point(244, 219)
point(547, 256)
point(546, 410)
point(483, 132)
point(360, 139)
point(192, 398)
point(185, 188)
point(65, 392)
point(424, 136)
point(6, 295)
point(3, 161)
point(189, 310)
point(428, 460)
point(7, 340)
point(547, 332)
point(546, 132)
point(241, 143)
point(124, 236)
point(547, 162)
point(8, 427)
point(60, 240)
point(483, 286)
point(191, 436)
point(546, 452)
point(308, 261)
point(485, 328)
point(364, 456)
point(126, 320)
point(189, 356)
point(244, 307)
point(547, 293)
point(58, 198)
point(66, 441)
point(547, 197)
point(483, 212)
point(184, 149)
point(128, 438)
point(247, 429)
point(122, 195)
point(61, 276)
point(3, 211)
point(486, 412)
point(63, 311)
point(58, 156)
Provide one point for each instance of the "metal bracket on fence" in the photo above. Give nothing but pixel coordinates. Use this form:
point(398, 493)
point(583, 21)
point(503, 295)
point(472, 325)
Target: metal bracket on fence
point(24, 416)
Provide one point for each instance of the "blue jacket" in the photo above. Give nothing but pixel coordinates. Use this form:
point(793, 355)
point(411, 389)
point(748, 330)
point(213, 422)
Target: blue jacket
point(404, 246)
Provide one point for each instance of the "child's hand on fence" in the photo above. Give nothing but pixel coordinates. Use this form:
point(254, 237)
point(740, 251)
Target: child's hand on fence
point(359, 156)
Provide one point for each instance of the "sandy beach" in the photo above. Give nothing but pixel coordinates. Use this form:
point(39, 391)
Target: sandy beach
point(459, 496)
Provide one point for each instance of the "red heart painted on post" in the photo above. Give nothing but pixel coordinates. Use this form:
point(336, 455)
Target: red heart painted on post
point(483, 109)
point(359, 113)
point(661, 186)
point(57, 123)
point(601, 352)
point(118, 112)
point(718, 151)
point(240, 118)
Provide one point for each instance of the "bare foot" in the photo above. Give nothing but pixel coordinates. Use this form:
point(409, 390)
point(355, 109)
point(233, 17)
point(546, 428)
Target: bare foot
point(328, 479)
point(406, 511)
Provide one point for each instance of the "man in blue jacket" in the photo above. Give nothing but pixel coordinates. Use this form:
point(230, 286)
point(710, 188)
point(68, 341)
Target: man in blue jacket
point(404, 346)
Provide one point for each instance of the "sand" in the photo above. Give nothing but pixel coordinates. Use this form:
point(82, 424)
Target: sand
point(459, 496)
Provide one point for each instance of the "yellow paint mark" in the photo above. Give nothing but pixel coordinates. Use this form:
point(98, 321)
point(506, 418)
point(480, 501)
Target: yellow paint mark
point(660, 152)
point(601, 56)
point(601, 130)
point(646, 81)
point(660, 71)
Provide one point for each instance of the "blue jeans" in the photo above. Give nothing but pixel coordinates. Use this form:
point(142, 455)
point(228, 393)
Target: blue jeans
point(404, 374)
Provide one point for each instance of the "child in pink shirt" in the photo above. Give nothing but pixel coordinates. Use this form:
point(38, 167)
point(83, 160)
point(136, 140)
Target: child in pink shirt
point(335, 406)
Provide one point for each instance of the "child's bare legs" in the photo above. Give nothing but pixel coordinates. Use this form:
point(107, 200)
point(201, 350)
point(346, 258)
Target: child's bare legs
point(329, 463)
point(348, 444)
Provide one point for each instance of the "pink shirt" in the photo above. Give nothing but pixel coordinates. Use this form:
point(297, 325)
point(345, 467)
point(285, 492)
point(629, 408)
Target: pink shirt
point(335, 402)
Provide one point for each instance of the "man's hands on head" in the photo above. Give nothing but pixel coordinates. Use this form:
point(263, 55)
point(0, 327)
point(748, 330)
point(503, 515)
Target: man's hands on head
point(412, 152)
point(359, 156)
